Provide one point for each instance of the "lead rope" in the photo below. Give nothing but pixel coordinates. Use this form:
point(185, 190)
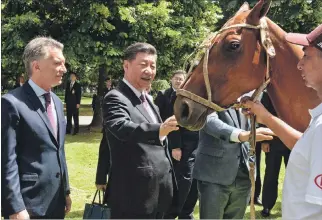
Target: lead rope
point(252, 140)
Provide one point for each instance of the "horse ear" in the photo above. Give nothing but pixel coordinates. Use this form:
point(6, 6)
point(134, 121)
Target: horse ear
point(244, 7)
point(259, 11)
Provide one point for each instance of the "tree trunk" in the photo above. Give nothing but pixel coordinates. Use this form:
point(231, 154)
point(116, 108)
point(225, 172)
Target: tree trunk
point(97, 120)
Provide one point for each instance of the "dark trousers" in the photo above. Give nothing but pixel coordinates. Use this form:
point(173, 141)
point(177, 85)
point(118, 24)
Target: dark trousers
point(72, 113)
point(273, 162)
point(187, 188)
point(225, 201)
point(164, 200)
point(258, 181)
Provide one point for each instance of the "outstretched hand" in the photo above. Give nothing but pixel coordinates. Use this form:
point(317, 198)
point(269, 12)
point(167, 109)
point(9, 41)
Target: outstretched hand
point(168, 126)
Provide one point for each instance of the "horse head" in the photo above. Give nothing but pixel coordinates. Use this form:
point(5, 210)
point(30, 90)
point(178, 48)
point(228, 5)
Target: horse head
point(236, 65)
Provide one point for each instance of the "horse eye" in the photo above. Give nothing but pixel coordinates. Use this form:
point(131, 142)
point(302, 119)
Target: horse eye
point(234, 45)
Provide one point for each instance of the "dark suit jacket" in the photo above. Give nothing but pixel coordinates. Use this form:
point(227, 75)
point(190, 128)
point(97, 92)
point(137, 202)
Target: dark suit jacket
point(104, 157)
point(276, 143)
point(138, 156)
point(182, 138)
point(218, 159)
point(73, 96)
point(33, 164)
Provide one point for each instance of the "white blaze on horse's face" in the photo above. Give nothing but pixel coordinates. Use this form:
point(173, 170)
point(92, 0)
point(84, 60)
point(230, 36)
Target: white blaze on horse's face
point(311, 65)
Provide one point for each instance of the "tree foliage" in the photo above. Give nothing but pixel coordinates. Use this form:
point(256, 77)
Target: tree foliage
point(95, 32)
point(292, 15)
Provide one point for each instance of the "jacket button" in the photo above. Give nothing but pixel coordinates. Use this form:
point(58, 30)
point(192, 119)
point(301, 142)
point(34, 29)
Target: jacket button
point(57, 175)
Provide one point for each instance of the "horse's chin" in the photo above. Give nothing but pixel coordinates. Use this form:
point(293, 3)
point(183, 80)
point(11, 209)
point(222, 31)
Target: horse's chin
point(190, 114)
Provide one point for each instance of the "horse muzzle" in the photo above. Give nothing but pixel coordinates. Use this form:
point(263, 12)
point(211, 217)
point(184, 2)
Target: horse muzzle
point(189, 113)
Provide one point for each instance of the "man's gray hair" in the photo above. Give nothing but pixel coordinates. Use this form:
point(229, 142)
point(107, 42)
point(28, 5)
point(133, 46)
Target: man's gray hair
point(37, 49)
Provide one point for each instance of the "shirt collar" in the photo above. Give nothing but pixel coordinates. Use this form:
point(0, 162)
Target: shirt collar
point(174, 89)
point(38, 90)
point(136, 92)
point(316, 111)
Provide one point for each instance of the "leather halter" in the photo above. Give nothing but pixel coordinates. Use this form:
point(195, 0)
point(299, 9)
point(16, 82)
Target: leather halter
point(207, 45)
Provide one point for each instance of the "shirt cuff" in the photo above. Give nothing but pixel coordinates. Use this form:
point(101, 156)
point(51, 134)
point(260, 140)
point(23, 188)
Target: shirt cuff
point(234, 135)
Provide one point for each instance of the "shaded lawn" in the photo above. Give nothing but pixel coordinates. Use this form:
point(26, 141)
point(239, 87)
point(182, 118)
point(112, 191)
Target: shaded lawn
point(85, 108)
point(82, 154)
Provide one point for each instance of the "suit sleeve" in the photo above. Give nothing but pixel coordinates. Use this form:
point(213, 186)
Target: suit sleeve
point(79, 94)
point(218, 128)
point(11, 198)
point(104, 162)
point(67, 187)
point(116, 117)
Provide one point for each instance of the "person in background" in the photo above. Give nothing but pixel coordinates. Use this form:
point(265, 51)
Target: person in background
point(182, 144)
point(94, 102)
point(20, 82)
point(73, 95)
point(222, 165)
point(302, 190)
point(34, 177)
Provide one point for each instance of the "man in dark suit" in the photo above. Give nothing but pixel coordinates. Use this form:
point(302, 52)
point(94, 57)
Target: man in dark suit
point(34, 180)
point(73, 94)
point(222, 165)
point(274, 150)
point(182, 144)
point(141, 182)
point(104, 157)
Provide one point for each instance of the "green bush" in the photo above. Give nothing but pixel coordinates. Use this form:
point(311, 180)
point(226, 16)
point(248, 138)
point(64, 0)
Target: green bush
point(160, 84)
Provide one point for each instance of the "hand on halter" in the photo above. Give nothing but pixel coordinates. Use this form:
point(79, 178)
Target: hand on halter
point(262, 134)
point(256, 108)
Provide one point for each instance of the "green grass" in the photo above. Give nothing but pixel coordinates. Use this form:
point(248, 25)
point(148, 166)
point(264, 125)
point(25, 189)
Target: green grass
point(85, 108)
point(82, 154)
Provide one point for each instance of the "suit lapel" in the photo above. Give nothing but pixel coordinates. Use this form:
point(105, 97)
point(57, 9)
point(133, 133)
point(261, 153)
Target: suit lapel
point(243, 120)
point(40, 110)
point(126, 90)
point(144, 112)
point(155, 111)
point(233, 115)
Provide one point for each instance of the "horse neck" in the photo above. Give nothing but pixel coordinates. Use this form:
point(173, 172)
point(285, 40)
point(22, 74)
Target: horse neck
point(289, 95)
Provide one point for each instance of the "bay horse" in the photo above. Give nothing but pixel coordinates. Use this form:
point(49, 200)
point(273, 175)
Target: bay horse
point(237, 64)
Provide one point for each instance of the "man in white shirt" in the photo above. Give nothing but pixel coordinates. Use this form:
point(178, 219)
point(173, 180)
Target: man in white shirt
point(302, 192)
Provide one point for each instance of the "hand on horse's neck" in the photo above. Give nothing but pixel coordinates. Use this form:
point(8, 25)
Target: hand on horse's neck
point(290, 97)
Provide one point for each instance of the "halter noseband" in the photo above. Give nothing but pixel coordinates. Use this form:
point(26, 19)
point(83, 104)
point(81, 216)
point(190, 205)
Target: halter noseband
point(208, 44)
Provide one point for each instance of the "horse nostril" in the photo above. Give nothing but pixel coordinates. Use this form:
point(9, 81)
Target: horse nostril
point(185, 111)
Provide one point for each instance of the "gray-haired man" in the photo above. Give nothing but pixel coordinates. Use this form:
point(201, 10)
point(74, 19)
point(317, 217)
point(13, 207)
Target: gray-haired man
point(34, 181)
